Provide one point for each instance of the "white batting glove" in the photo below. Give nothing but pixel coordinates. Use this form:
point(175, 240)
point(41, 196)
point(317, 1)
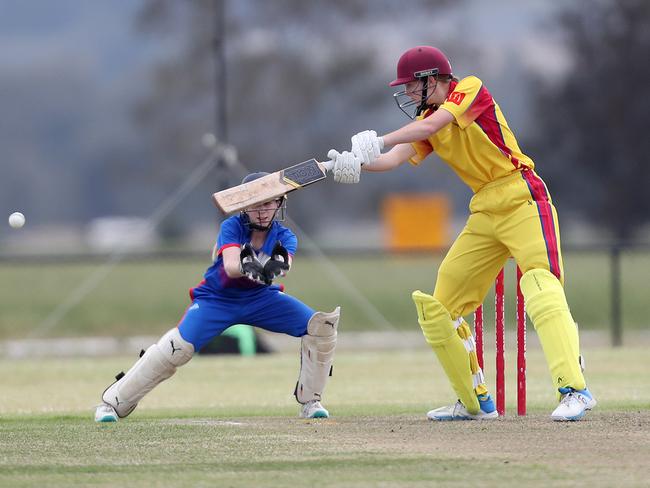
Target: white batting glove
point(367, 146)
point(347, 167)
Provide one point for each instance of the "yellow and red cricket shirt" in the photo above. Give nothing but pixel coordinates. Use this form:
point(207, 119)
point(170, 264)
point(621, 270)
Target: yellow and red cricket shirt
point(482, 149)
point(478, 145)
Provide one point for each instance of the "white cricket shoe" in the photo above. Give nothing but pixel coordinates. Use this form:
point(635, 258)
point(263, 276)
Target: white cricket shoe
point(313, 410)
point(459, 412)
point(573, 404)
point(105, 413)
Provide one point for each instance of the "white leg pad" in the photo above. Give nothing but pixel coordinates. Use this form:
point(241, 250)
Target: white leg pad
point(316, 355)
point(158, 363)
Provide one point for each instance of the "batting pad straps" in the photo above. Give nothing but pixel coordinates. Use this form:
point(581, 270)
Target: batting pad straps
point(465, 333)
point(316, 355)
point(158, 363)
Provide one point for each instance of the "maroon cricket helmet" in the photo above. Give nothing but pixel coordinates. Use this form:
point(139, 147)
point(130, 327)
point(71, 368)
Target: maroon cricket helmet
point(420, 62)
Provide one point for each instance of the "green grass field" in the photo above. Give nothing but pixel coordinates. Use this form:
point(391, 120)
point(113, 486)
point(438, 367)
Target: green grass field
point(146, 298)
point(231, 421)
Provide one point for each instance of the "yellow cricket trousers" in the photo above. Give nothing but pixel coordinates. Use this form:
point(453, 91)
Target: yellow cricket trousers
point(512, 216)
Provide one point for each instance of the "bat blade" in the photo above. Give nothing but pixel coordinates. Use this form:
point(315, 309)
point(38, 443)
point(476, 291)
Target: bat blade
point(269, 187)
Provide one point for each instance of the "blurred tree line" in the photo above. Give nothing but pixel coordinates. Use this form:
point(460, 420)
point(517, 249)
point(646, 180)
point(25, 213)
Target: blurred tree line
point(301, 78)
point(292, 95)
point(592, 123)
point(298, 83)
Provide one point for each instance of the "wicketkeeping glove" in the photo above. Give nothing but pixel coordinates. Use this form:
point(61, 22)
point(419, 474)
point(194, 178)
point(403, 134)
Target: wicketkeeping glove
point(251, 267)
point(278, 265)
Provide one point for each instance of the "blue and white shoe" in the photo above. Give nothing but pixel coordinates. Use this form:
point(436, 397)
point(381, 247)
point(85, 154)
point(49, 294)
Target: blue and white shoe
point(314, 410)
point(459, 412)
point(486, 403)
point(573, 404)
point(105, 413)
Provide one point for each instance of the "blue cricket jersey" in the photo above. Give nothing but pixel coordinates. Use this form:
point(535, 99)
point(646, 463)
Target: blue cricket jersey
point(233, 232)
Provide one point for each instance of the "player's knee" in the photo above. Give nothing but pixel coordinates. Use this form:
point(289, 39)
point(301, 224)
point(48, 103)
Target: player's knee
point(174, 348)
point(543, 293)
point(323, 324)
point(540, 266)
point(322, 334)
point(538, 282)
point(434, 318)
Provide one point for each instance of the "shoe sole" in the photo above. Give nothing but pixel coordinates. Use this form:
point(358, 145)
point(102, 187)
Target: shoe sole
point(448, 419)
point(592, 403)
point(574, 418)
point(489, 416)
point(319, 415)
point(107, 418)
point(569, 419)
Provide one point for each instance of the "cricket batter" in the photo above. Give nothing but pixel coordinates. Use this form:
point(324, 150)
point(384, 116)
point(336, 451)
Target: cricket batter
point(511, 214)
point(252, 249)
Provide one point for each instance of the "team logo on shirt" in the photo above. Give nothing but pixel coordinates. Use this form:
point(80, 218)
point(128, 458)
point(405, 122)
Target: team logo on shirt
point(456, 97)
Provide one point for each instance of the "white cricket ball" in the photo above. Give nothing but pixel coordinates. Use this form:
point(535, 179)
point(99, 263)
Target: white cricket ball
point(16, 220)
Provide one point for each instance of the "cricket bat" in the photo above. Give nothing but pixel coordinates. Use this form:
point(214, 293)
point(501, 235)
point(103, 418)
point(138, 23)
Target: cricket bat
point(271, 186)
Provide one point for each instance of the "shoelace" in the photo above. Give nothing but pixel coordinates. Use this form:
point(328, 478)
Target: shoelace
point(570, 395)
point(567, 398)
point(458, 408)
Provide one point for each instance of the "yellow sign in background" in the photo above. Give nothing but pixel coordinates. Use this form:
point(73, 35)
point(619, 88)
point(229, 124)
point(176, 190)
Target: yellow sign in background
point(417, 221)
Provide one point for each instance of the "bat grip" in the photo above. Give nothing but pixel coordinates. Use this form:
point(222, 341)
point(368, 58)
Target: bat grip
point(328, 165)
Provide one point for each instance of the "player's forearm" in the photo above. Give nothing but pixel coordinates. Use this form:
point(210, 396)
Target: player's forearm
point(391, 159)
point(382, 163)
point(231, 264)
point(419, 130)
point(233, 271)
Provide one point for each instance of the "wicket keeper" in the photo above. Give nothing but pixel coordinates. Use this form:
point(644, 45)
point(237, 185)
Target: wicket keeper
point(511, 214)
point(251, 251)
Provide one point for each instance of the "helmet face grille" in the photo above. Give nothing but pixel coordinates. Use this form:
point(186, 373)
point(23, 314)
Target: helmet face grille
point(279, 215)
point(406, 104)
point(411, 106)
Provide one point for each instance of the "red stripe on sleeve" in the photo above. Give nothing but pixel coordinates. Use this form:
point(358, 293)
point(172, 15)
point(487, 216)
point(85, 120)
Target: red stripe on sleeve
point(482, 102)
point(226, 246)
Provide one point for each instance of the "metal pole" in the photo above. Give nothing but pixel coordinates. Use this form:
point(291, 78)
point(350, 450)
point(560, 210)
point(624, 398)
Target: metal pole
point(616, 322)
point(221, 114)
point(220, 90)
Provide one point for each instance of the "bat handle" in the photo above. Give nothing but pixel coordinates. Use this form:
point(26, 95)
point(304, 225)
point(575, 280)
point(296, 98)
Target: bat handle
point(328, 165)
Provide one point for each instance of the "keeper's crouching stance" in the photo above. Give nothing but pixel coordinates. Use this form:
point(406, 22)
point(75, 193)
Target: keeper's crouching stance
point(159, 362)
point(252, 249)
